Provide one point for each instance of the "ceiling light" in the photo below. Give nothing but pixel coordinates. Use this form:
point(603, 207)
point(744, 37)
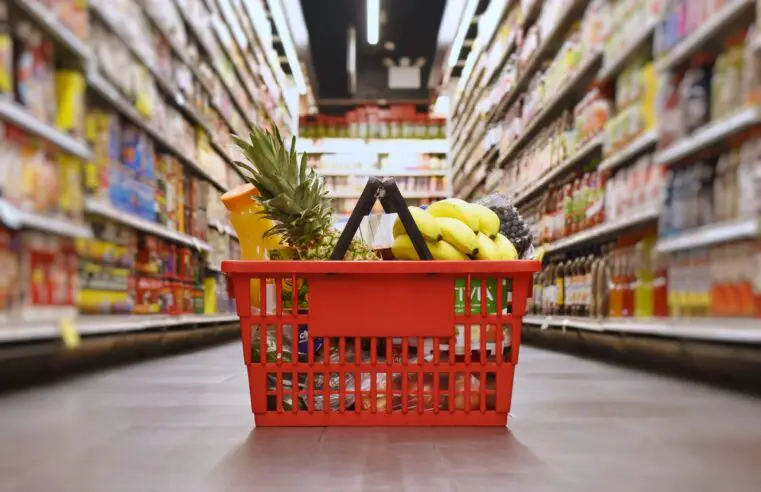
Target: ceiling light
point(290, 52)
point(459, 39)
point(373, 21)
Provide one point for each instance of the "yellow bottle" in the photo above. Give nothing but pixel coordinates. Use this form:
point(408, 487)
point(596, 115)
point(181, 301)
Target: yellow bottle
point(250, 225)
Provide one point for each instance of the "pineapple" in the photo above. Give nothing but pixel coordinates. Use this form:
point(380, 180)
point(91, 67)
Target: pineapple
point(294, 197)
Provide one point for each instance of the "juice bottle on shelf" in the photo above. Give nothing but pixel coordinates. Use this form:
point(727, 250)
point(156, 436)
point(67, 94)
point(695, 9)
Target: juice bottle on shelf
point(250, 227)
point(719, 288)
point(742, 252)
point(577, 205)
point(660, 284)
point(586, 200)
point(560, 286)
point(594, 308)
point(567, 204)
point(643, 292)
point(536, 298)
point(615, 290)
point(550, 290)
point(756, 252)
point(629, 283)
point(570, 287)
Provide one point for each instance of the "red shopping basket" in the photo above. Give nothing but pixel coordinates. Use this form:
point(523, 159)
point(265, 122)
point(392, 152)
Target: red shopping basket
point(381, 343)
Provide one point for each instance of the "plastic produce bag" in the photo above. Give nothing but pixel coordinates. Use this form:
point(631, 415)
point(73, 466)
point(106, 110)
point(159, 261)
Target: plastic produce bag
point(512, 225)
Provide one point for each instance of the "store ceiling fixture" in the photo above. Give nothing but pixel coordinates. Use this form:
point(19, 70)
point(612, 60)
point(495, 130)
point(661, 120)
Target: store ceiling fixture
point(373, 21)
point(286, 40)
point(405, 29)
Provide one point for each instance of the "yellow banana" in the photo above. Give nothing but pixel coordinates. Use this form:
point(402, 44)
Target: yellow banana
point(440, 250)
point(487, 250)
point(455, 209)
point(488, 221)
point(403, 249)
point(458, 235)
point(506, 249)
point(428, 226)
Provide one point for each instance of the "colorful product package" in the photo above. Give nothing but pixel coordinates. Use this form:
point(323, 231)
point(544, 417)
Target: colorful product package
point(9, 265)
point(70, 95)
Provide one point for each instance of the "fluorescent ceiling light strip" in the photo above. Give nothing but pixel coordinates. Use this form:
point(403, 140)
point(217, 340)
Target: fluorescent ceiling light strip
point(297, 23)
point(290, 52)
point(459, 39)
point(373, 21)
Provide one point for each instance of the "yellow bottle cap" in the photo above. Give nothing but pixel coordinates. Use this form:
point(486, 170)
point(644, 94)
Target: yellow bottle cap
point(239, 197)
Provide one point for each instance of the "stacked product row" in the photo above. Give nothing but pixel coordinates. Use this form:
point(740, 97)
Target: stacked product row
point(648, 207)
point(118, 271)
point(114, 137)
point(398, 121)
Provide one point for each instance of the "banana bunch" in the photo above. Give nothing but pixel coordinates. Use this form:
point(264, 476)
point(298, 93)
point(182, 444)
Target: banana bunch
point(454, 229)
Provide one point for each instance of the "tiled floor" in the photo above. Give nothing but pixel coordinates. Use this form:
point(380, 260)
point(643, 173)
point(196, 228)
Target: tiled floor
point(183, 424)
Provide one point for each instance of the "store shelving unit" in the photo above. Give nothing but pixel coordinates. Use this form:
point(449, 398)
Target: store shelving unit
point(730, 13)
point(108, 211)
point(103, 87)
point(708, 235)
point(371, 146)
point(406, 194)
point(734, 330)
point(637, 147)
point(18, 115)
point(475, 172)
point(105, 325)
point(594, 144)
point(604, 230)
point(384, 173)
point(251, 42)
point(710, 134)
point(573, 84)
point(549, 44)
point(16, 218)
point(612, 67)
point(46, 19)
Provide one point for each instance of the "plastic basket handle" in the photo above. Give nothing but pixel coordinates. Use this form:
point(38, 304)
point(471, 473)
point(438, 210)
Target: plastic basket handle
point(392, 201)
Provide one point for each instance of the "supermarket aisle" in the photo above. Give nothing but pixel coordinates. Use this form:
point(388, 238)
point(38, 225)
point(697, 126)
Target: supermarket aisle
point(182, 424)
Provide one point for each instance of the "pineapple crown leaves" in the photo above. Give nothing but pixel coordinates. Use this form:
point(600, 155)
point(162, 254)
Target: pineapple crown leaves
point(290, 193)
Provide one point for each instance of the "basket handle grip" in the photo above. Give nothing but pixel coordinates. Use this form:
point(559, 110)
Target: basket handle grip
point(393, 201)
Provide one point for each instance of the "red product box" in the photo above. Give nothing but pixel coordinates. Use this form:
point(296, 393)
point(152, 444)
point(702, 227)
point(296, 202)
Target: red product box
point(147, 295)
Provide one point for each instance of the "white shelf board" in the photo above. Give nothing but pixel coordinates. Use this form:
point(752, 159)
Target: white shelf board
point(708, 135)
point(733, 330)
point(612, 66)
point(638, 146)
point(372, 146)
point(19, 219)
point(107, 210)
point(23, 331)
point(698, 38)
point(710, 234)
point(639, 217)
point(19, 116)
point(581, 154)
point(107, 90)
point(45, 18)
point(381, 172)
